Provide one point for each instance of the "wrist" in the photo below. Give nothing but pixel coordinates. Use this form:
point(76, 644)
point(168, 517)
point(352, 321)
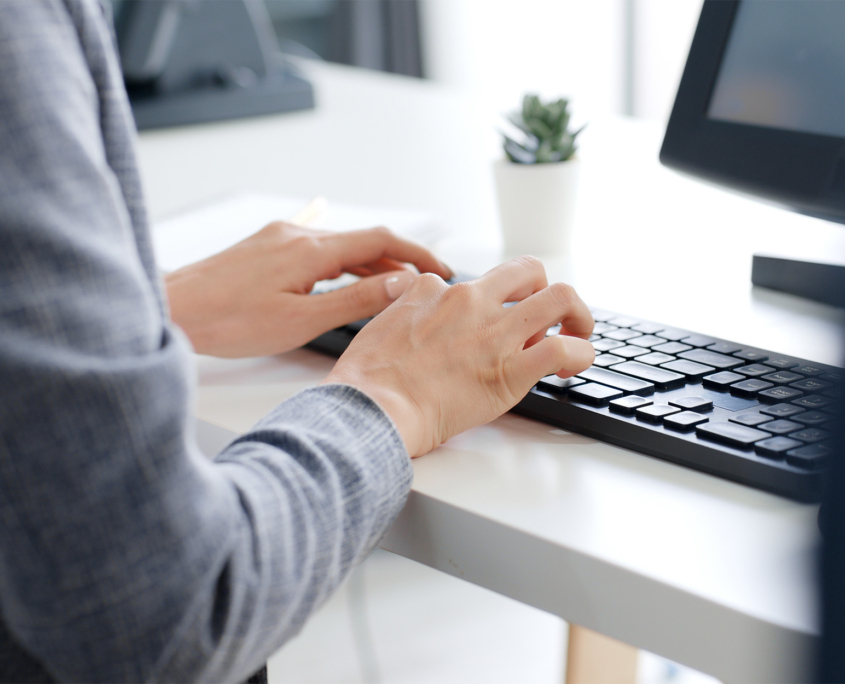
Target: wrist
point(400, 408)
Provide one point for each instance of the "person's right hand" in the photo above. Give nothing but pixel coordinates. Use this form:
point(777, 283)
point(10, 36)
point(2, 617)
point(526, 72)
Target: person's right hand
point(443, 359)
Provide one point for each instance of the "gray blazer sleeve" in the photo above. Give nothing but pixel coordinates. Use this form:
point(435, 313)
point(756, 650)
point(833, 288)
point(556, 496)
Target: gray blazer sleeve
point(124, 554)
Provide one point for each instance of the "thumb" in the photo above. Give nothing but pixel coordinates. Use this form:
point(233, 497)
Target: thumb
point(363, 299)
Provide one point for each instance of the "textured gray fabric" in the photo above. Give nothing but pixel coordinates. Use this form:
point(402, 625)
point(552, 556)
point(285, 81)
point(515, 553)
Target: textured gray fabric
point(124, 554)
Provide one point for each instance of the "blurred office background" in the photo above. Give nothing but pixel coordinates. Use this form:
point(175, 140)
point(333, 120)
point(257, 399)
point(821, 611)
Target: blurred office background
point(609, 56)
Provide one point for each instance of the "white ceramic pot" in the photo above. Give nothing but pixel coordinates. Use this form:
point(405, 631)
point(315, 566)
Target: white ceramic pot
point(537, 206)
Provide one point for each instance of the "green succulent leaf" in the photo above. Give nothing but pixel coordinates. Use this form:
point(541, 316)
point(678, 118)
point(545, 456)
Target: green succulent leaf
point(546, 130)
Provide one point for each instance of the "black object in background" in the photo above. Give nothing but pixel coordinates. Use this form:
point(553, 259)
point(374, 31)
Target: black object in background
point(376, 34)
point(738, 119)
point(189, 61)
point(832, 523)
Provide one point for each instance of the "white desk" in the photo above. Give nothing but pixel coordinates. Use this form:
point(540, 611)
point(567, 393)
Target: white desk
point(705, 572)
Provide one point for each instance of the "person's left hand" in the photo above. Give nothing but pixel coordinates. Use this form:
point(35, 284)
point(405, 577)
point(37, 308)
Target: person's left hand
point(253, 298)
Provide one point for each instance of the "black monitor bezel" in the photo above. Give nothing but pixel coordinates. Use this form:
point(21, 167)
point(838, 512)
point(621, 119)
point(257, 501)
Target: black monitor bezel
point(797, 169)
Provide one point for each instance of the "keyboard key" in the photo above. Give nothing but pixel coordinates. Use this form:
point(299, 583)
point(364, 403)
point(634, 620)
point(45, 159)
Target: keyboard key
point(630, 351)
point(780, 427)
point(662, 378)
point(724, 347)
point(601, 328)
point(779, 394)
point(600, 316)
point(607, 345)
point(809, 369)
point(670, 347)
point(691, 369)
point(775, 447)
point(711, 358)
point(624, 321)
point(655, 413)
point(813, 401)
point(834, 393)
point(698, 340)
point(749, 388)
point(605, 360)
point(594, 394)
point(782, 377)
point(811, 435)
point(551, 332)
point(812, 418)
point(811, 457)
point(648, 341)
point(622, 334)
point(751, 355)
point(811, 385)
point(619, 381)
point(749, 419)
point(732, 434)
point(781, 410)
point(781, 363)
point(655, 358)
point(648, 328)
point(627, 405)
point(699, 404)
point(552, 383)
point(836, 377)
point(684, 421)
point(754, 370)
point(672, 334)
point(721, 381)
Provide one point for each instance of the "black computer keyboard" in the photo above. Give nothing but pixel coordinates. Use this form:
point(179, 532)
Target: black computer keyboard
point(742, 413)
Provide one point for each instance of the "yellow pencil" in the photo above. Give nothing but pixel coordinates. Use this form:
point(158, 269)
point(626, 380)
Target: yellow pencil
point(310, 212)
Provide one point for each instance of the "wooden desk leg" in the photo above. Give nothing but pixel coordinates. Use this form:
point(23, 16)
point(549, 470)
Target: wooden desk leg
point(592, 658)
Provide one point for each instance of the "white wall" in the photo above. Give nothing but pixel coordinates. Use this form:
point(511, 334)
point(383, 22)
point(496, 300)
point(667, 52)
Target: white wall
point(663, 31)
point(500, 49)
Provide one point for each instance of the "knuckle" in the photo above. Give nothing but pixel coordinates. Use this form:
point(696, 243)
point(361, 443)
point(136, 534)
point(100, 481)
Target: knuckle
point(563, 294)
point(305, 244)
point(429, 282)
point(532, 263)
point(382, 232)
point(358, 298)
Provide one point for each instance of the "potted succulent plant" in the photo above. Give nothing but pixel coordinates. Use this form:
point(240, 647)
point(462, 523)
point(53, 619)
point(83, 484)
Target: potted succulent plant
point(537, 182)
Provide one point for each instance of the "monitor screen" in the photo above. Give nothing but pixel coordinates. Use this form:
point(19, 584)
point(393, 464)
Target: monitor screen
point(784, 67)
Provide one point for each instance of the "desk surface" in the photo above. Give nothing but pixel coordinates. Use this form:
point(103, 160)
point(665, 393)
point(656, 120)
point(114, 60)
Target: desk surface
point(703, 571)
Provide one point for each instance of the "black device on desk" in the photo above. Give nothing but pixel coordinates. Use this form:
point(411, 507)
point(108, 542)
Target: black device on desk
point(761, 109)
point(743, 413)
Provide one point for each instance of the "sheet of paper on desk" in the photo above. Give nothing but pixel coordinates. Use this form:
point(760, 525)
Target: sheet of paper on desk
point(198, 234)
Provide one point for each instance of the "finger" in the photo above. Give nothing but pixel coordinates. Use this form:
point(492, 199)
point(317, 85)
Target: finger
point(367, 297)
point(557, 303)
point(385, 265)
point(559, 354)
point(514, 280)
point(361, 247)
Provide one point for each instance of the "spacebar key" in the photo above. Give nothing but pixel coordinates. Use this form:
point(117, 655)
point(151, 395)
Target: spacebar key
point(735, 435)
point(617, 380)
point(661, 378)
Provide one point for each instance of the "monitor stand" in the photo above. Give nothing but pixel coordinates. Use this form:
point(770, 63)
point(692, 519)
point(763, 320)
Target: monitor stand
point(823, 283)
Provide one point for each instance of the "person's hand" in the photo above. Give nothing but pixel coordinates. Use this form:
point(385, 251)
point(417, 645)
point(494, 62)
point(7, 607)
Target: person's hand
point(253, 298)
point(443, 359)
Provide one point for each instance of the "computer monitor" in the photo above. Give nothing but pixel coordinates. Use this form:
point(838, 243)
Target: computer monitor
point(187, 62)
point(761, 109)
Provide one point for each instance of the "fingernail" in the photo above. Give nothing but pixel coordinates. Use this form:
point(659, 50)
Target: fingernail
point(449, 272)
point(396, 285)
